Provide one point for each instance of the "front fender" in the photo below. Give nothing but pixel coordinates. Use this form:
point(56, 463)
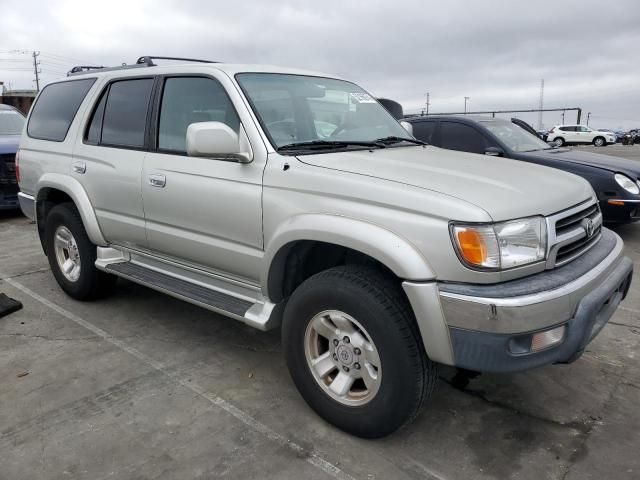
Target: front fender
point(74, 189)
point(390, 249)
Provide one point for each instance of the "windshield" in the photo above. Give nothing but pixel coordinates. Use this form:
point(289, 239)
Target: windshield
point(11, 122)
point(296, 108)
point(514, 137)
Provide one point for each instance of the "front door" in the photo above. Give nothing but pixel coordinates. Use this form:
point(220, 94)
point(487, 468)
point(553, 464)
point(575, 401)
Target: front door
point(201, 211)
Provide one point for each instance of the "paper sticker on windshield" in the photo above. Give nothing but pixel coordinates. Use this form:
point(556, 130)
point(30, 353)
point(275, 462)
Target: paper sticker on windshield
point(362, 98)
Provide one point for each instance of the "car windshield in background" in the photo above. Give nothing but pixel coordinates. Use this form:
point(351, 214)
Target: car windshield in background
point(320, 112)
point(11, 122)
point(516, 138)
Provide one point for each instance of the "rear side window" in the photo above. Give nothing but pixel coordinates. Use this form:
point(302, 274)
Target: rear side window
point(125, 113)
point(457, 136)
point(424, 130)
point(55, 109)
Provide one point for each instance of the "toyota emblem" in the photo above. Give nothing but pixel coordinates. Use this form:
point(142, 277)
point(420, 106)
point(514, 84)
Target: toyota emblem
point(588, 226)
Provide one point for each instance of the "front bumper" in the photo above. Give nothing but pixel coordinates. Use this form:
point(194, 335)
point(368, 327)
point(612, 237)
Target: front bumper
point(8, 200)
point(485, 320)
point(620, 210)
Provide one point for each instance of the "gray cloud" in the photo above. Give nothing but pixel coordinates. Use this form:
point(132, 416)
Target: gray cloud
point(494, 51)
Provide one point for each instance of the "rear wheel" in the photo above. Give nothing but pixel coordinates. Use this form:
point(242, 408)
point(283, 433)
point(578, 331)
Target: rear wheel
point(72, 256)
point(558, 142)
point(599, 141)
point(354, 352)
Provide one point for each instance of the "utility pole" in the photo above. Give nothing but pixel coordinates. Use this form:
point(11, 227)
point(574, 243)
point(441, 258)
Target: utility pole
point(541, 104)
point(427, 103)
point(588, 117)
point(35, 69)
point(466, 99)
point(562, 118)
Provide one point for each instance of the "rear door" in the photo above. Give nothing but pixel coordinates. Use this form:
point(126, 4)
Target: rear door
point(570, 134)
point(108, 161)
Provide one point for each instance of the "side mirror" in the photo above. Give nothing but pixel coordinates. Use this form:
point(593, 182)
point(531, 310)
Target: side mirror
point(407, 126)
point(217, 140)
point(494, 151)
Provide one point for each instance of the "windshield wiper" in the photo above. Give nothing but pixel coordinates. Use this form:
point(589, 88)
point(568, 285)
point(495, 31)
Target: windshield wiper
point(393, 139)
point(317, 144)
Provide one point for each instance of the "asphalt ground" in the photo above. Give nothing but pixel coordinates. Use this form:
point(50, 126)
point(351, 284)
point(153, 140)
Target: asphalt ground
point(141, 385)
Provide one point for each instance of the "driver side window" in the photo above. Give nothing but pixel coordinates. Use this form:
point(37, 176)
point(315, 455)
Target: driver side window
point(187, 100)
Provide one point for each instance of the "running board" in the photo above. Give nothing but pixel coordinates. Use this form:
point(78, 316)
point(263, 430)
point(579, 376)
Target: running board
point(255, 314)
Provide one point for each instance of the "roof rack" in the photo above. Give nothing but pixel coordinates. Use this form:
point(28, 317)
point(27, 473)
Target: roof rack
point(85, 68)
point(148, 60)
point(142, 62)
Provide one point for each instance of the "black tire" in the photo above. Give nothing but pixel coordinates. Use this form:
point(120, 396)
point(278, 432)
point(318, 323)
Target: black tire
point(377, 302)
point(599, 142)
point(92, 283)
point(559, 141)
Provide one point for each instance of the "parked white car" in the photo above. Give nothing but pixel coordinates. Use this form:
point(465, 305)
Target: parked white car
point(571, 134)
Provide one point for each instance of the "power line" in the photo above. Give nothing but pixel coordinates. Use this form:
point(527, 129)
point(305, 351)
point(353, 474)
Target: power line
point(65, 58)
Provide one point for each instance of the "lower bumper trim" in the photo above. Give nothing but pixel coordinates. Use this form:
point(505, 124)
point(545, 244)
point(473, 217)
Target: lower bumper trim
point(490, 352)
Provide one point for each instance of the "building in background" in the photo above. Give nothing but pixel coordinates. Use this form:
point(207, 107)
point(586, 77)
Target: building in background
point(21, 99)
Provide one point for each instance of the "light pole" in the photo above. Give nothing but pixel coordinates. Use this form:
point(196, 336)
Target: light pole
point(588, 117)
point(466, 99)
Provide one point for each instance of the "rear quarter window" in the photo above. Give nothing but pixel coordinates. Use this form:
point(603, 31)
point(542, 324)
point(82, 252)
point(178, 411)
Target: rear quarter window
point(56, 108)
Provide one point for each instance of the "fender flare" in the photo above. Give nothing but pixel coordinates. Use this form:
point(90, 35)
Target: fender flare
point(74, 189)
point(390, 249)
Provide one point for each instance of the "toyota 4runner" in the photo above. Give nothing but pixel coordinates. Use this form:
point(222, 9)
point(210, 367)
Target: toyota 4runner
point(290, 199)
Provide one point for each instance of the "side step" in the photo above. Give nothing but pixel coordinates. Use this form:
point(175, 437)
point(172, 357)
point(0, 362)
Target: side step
point(222, 295)
point(196, 293)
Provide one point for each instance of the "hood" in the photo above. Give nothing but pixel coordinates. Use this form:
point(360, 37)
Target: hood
point(9, 143)
point(597, 160)
point(504, 188)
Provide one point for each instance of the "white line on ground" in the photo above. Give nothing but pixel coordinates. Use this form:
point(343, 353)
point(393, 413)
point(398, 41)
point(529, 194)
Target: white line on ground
point(311, 457)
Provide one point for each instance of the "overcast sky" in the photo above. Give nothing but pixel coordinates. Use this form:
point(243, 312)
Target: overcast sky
point(494, 52)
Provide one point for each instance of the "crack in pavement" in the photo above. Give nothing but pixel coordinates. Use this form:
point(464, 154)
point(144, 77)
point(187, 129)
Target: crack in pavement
point(46, 337)
point(24, 274)
point(580, 426)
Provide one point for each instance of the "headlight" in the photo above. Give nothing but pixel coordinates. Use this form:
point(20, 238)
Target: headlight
point(500, 246)
point(626, 183)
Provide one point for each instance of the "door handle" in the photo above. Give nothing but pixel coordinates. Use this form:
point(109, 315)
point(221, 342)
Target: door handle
point(157, 180)
point(79, 167)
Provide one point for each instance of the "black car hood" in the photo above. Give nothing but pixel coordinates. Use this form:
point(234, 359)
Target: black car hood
point(597, 160)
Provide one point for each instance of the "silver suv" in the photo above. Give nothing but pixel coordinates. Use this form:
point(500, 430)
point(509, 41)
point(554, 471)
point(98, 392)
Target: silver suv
point(291, 199)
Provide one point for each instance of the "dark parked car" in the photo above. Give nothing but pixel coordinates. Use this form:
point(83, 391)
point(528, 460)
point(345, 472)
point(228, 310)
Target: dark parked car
point(11, 123)
point(616, 181)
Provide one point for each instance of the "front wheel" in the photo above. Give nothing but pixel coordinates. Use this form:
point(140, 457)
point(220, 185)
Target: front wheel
point(72, 256)
point(354, 352)
point(599, 141)
point(558, 142)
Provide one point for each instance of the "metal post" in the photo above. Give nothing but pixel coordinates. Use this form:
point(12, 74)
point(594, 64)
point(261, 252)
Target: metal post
point(588, 117)
point(427, 103)
point(465, 104)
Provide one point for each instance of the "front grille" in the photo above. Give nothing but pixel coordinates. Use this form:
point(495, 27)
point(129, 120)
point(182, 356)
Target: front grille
point(8, 170)
point(566, 253)
point(567, 224)
point(573, 232)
